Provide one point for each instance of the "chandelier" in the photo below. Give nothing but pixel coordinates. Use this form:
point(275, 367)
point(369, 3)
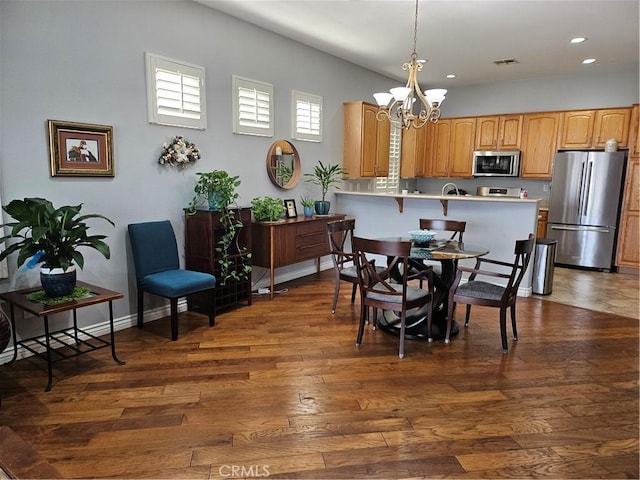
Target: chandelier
point(398, 105)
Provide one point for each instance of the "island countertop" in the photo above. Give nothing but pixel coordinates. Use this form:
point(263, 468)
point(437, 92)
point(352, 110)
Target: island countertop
point(428, 196)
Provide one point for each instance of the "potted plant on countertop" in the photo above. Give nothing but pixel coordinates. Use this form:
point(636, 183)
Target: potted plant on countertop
point(307, 206)
point(267, 209)
point(325, 176)
point(218, 189)
point(51, 236)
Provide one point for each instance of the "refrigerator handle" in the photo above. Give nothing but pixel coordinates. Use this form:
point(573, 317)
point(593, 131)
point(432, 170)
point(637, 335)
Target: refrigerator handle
point(580, 198)
point(580, 229)
point(587, 189)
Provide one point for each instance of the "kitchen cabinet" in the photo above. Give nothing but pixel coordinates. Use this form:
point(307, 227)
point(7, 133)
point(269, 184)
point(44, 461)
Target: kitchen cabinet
point(634, 132)
point(628, 252)
point(203, 231)
point(540, 133)
point(366, 141)
point(503, 132)
point(450, 145)
point(438, 143)
point(413, 153)
point(592, 128)
point(541, 231)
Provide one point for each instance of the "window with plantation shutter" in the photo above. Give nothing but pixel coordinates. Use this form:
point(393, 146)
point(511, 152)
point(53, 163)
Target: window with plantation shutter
point(391, 183)
point(252, 107)
point(306, 116)
point(175, 92)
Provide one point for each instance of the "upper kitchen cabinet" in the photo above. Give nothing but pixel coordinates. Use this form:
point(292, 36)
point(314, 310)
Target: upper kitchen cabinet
point(450, 145)
point(502, 132)
point(438, 145)
point(366, 141)
point(413, 153)
point(540, 132)
point(592, 128)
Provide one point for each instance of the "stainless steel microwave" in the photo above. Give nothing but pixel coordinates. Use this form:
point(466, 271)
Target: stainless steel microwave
point(496, 164)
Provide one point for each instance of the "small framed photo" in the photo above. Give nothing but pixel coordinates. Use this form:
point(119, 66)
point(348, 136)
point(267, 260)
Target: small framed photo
point(80, 149)
point(290, 206)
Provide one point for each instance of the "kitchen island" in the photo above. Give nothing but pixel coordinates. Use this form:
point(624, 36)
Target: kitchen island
point(495, 222)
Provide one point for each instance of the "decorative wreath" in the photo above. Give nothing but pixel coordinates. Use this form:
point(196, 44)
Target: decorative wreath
point(178, 152)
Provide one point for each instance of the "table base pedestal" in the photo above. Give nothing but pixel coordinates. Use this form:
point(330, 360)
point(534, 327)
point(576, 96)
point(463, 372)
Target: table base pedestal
point(389, 321)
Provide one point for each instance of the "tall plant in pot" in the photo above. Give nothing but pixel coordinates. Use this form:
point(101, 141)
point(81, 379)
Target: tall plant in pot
point(218, 189)
point(325, 176)
point(51, 237)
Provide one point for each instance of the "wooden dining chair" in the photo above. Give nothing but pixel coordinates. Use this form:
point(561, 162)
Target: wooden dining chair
point(478, 292)
point(377, 291)
point(340, 235)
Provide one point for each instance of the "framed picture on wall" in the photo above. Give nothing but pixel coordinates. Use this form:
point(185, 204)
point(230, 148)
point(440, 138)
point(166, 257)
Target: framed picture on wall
point(290, 206)
point(80, 149)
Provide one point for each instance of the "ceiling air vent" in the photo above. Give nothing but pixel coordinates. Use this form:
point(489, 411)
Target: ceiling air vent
point(506, 61)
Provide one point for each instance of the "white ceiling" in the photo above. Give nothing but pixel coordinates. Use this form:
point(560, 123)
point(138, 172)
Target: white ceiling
point(463, 37)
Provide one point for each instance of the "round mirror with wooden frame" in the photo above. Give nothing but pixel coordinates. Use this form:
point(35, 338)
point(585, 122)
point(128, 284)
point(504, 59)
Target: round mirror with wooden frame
point(283, 164)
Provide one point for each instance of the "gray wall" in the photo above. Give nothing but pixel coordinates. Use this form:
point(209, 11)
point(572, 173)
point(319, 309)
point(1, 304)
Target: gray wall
point(83, 61)
point(593, 89)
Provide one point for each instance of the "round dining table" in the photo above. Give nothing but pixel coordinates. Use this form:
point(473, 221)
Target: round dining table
point(447, 252)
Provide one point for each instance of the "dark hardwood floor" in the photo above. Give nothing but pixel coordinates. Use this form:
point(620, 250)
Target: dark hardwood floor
point(280, 390)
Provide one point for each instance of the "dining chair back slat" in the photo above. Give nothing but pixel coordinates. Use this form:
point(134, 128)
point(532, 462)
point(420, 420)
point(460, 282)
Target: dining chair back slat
point(456, 227)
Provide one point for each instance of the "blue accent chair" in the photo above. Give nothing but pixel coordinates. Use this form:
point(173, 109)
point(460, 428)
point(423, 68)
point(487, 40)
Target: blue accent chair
point(155, 256)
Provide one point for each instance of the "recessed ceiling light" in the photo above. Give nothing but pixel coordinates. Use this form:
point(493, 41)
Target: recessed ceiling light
point(578, 40)
point(451, 75)
point(587, 61)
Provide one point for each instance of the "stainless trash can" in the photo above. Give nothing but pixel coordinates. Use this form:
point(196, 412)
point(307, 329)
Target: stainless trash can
point(543, 265)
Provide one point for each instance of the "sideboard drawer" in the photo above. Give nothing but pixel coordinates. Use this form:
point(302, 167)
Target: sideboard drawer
point(311, 241)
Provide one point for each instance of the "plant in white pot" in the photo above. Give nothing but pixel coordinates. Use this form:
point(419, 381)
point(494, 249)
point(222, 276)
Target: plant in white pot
point(51, 237)
point(325, 176)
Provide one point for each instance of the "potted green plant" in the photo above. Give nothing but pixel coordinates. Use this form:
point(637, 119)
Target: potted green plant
point(218, 189)
point(267, 209)
point(307, 206)
point(325, 176)
point(51, 237)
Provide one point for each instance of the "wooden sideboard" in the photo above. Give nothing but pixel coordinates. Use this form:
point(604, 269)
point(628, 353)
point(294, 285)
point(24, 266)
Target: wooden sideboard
point(277, 244)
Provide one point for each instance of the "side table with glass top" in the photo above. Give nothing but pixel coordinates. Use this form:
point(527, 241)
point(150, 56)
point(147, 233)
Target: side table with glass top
point(65, 343)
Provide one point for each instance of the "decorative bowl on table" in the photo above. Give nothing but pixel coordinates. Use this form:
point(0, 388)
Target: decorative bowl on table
point(422, 236)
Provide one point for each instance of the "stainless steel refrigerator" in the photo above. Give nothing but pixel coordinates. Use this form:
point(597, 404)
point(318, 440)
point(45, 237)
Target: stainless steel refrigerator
point(584, 207)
